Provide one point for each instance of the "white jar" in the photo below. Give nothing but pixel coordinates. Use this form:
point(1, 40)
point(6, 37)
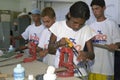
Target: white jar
point(50, 75)
point(30, 77)
point(19, 72)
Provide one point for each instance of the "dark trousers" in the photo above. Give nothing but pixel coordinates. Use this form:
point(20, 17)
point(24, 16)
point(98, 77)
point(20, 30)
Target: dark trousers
point(117, 66)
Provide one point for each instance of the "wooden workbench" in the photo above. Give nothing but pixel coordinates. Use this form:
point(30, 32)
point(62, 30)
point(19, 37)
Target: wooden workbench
point(35, 68)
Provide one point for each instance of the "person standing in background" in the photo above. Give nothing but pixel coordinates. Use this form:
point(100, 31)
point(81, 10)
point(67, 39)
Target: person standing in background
point(108, 34)
point(48, 18)
point(33, 31)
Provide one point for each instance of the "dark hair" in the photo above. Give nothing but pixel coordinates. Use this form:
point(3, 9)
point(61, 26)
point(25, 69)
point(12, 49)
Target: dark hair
point(98, 2)
point(48, 11)
point(80, 10)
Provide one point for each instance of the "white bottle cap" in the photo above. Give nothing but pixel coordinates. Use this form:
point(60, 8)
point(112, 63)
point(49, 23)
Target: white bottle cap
point(19, 66)
point(51, 70)
point(11, 46)
point(30, 77)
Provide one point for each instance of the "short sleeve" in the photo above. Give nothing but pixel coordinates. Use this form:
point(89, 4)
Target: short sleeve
point(54, 28)
point(25, 34)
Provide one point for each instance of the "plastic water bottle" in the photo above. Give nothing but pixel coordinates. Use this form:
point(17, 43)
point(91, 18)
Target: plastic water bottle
point(19, 72)
point(11, 48)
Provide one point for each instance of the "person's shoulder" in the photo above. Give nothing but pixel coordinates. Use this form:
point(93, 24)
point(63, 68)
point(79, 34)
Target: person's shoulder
point(42, 26)
point(58, 25)
point(29, 26)
point(59, 22)
point(86, 26)
point(94, 22)
point(110, 21)
point(45, 30)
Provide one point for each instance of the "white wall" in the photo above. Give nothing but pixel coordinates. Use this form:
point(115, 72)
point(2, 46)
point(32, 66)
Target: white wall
point(119, 13)
point(61, 8)
point(112, 10)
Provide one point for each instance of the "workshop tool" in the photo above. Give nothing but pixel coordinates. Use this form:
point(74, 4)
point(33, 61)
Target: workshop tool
point(70, 50)
point(70, 44)
point(66, 52)
point(16, 56)
point(25, 60)
point(28, 59)
point(32, 51)
point(57, 70)
point(77, 65)
point(103, 46)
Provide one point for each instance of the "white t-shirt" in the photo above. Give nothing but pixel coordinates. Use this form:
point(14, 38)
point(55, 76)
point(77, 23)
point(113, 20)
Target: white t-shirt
point(107, 33)
point(45, 37)
point(61, 30)
point(33, 32)
point(43, 43)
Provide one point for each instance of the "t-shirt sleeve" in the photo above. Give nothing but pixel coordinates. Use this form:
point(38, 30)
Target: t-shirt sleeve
point(90, 33)
point(25, 34)
point(54, 28)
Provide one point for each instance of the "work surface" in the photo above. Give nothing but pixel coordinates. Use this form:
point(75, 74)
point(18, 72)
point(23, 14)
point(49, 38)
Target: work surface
point(35, 68)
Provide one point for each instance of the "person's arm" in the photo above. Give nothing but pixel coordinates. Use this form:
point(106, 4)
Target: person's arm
point(90, 54)
point(87, 55)
point(18, 37)
point(53, 44)
point(113, 47)
point(42, 52)
point(52, 47)
point(21, 48)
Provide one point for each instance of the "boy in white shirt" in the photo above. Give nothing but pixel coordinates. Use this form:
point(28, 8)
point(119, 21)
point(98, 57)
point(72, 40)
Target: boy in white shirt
point(48, 18)
point(33, 31)
point(73, 28)
point(107, 34)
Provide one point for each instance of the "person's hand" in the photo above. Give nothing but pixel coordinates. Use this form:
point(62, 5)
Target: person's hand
point(43, 53)
point(82, 56)
point(12, 40)
point(112, 47)
point(29, 45)
point(61, 42)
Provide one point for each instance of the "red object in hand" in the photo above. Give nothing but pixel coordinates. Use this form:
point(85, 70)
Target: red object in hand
point(67, 64)
point(32, 51)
